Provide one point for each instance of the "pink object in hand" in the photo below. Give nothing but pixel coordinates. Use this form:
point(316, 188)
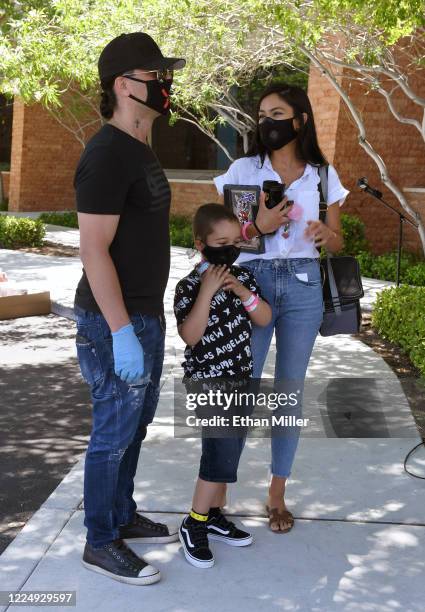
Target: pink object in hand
point(295, 213)
point(243, 230)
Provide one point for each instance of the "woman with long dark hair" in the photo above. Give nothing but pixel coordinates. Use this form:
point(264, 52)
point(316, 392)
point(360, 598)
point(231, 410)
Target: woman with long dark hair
point(285, 149)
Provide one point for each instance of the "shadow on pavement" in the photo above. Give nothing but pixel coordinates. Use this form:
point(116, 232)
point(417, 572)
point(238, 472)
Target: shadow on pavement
point(45, 422)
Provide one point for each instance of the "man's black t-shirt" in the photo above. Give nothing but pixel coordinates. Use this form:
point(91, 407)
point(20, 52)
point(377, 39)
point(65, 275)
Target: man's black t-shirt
point(119, 175)
point(225, 348)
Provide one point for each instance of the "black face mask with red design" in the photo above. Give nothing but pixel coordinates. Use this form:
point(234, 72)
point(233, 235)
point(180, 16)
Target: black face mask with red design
point(158, 98)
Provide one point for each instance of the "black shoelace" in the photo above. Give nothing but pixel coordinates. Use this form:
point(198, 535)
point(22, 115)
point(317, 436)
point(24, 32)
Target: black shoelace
point(129, 557)
point(143, 521)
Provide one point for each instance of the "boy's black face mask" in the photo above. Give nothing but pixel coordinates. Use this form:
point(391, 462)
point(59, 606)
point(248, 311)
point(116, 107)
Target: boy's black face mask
point(158, 94)
point(222, 255)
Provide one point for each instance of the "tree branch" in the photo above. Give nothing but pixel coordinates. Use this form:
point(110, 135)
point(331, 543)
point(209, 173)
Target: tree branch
point(392, 74)
point(366, 145)
point(207, 133)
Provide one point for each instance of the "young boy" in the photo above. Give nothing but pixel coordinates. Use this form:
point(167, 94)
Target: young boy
point(214, 306)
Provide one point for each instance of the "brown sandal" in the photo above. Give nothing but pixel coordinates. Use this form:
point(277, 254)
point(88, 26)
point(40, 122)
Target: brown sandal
point(276, 517)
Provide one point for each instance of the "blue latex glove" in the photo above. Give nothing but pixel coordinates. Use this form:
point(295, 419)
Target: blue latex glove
point(128, 354)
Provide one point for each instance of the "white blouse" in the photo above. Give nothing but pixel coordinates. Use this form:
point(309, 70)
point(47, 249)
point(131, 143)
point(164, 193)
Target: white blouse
point(304, 191)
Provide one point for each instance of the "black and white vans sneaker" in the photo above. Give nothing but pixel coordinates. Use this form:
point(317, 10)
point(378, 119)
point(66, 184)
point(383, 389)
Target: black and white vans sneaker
point(194, 538)
point(219, 528)
point(116, 560)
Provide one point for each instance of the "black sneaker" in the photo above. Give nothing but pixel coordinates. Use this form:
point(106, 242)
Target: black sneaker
point(119, 562)
point(193, 536)
point(142, 529)
point(219, 528)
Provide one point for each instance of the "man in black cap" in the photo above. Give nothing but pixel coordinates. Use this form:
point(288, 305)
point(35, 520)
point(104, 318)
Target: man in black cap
point(123, 202)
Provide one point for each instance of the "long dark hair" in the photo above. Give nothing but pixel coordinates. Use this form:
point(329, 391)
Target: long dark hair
point(108, 99)
point(307, 146)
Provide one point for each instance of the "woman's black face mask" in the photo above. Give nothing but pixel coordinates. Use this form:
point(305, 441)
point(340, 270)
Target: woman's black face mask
point(222, 255)
point(158, 94)
point(276, 133)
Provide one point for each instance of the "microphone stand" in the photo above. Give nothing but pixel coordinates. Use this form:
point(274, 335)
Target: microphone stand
point(402, 219)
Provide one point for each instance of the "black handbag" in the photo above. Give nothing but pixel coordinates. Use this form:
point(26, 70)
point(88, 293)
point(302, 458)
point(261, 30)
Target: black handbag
point(341, 280)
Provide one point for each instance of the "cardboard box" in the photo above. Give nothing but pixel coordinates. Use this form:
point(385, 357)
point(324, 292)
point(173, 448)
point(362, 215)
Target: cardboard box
point(29, 305)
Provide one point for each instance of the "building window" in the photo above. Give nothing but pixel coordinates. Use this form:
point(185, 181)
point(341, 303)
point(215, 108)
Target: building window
point(184, 147)
point(6, 116)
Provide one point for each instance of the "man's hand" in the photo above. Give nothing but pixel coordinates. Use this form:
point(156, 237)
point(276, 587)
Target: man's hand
point(213, 278)
point(128, 355)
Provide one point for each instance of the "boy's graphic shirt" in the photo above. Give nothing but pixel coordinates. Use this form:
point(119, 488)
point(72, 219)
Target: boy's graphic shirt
point(225, 348)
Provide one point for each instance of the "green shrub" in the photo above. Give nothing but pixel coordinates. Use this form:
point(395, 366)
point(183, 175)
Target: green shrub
point(16, 232)
point(353, 232)
point(181, 231)
point(415, 275)
point(384, 267)
point(67, 219)
point(180, 226)
point(4, 205)
point(398, 315)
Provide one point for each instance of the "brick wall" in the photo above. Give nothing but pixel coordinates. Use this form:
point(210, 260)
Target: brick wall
point(187, 196)
point(43, 160)
point(401, 147)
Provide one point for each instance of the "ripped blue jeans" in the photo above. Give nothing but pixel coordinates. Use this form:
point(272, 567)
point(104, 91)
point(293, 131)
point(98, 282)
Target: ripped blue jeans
point(121, 414)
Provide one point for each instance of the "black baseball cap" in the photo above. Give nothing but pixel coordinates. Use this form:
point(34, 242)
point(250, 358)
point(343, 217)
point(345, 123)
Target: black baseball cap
point(134, 50)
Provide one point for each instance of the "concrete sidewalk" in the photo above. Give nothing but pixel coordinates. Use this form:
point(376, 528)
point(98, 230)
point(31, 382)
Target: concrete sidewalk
point(360, 526)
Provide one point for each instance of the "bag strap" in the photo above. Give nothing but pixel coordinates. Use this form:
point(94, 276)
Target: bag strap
point(323, 192)
point(332, 287)
point(323, 208)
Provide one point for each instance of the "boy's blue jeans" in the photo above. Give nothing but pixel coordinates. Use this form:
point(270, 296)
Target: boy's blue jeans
point(121, 413)
point(220, 451)
point(297, 307)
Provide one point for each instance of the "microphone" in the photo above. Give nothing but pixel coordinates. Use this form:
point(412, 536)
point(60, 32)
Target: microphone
point(363, 184)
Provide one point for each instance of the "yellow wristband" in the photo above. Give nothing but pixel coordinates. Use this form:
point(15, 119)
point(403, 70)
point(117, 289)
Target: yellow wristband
point(198, 517)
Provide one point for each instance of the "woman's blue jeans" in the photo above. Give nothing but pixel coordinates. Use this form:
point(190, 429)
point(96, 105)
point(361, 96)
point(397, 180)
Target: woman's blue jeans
point(121, 414)
point(297, 307)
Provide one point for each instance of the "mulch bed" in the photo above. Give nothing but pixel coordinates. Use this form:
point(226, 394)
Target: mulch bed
point(54, 250)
